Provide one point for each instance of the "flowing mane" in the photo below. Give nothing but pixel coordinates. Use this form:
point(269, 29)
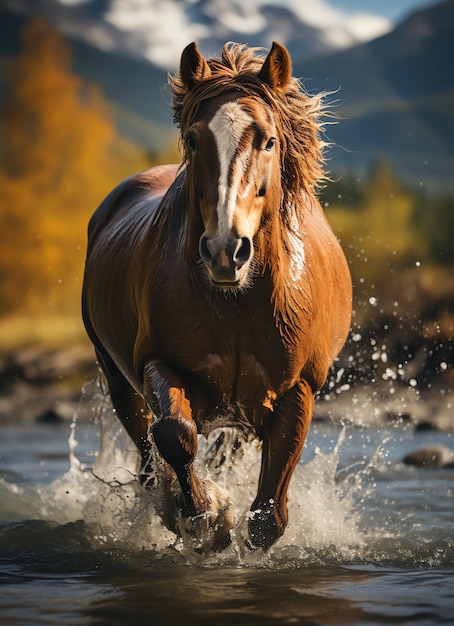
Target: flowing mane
point(296, 113)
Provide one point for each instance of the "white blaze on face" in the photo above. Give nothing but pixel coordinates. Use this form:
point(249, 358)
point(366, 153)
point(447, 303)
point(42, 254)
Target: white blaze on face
point(228, 126)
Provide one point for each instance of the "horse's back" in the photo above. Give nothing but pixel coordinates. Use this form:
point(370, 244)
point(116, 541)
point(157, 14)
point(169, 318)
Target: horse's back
point(149, 185)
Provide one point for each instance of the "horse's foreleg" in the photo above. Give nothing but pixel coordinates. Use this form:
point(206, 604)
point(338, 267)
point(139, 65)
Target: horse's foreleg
point(283, 442)
point(131, 411)
point(175, 435)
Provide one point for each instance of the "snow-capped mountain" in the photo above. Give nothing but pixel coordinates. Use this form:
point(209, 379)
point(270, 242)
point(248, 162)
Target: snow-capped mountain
point(157, 30)
point(395, 93)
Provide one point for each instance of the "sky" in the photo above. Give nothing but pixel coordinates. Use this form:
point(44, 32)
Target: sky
point(394, 10)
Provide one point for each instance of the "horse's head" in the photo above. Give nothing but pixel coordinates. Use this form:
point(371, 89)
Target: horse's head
point(232, 145)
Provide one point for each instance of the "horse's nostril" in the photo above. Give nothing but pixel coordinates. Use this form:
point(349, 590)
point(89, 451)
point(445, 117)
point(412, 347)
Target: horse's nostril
point(225, 257)
point(243, 251)
point(205, 253)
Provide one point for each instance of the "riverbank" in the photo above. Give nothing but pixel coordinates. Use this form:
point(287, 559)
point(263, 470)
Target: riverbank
point(44, 384)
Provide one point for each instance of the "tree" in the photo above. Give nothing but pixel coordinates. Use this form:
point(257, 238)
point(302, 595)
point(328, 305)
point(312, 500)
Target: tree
point(60, 157)
point(381, 238)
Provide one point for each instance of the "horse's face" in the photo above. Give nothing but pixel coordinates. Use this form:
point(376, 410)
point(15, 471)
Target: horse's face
point(234, 173)
point(234, 158)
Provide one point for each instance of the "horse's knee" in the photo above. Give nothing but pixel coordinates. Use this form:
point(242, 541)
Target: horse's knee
point(176, 439)
point(174, 431)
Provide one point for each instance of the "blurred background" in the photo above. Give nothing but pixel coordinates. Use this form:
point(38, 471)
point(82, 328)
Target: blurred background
point(83, 105)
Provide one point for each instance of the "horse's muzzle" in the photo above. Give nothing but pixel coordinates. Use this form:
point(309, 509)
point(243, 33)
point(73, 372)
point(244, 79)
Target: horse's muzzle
point(227, 262)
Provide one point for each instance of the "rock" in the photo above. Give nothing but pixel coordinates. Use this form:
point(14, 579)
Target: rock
point(49, 416)
point(44, 384)
point(433, 457)
point(425, 425)
point(38, 365)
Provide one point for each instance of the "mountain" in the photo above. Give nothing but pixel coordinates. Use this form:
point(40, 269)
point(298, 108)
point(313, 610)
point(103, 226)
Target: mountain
point(115, 59)
point(133, 87)
point(395, 99)
point(395, 94)
point(156, 30)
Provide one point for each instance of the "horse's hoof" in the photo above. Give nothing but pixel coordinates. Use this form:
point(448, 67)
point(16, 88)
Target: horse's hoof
point(263, 528)
point(209, 530)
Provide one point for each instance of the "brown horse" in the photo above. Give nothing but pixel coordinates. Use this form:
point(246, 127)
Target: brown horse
point(215, 292)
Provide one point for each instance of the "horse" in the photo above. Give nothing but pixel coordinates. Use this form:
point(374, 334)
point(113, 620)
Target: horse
point(215, 292)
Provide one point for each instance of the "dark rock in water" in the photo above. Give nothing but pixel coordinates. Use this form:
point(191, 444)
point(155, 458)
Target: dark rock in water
point(433, 457)
point(49, 416)
point(44, 385)
point(425, 425)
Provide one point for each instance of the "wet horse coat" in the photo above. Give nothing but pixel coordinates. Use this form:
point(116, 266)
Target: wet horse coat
point(215, 292)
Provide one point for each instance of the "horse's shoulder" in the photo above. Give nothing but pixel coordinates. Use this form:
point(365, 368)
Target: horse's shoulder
point(158, 179)
point(148, 184)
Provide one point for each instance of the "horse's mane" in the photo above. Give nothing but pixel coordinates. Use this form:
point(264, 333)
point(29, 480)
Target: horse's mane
point(296, 114)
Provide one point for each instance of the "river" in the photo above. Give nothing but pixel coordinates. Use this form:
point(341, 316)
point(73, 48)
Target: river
point(370, 539)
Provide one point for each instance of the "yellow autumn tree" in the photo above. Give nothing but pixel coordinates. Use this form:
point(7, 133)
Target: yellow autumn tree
point(390, 219)
point(59, 158)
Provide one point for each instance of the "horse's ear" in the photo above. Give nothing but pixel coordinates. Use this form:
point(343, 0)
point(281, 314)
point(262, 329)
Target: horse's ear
point(277, 68)
point(193, 66)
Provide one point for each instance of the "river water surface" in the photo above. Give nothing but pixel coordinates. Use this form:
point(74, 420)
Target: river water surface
point(370, 540)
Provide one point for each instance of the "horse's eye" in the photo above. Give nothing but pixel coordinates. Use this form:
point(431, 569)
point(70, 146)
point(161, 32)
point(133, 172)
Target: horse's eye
point(190, 142)
point(270, 144)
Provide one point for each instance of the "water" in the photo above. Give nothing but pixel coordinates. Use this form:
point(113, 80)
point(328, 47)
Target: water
point(370, 540)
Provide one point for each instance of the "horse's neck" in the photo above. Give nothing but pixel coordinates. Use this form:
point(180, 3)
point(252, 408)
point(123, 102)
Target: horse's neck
point(283, 253)
point(173, 214)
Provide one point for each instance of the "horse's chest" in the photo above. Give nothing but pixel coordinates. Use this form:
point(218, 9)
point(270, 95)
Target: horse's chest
point(245, 366)
point(229, 388)
point(232, 359)
point(238, 375)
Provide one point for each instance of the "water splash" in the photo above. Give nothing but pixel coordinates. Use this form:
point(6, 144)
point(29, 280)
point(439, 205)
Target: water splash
point(331, 520)
point(119, 514)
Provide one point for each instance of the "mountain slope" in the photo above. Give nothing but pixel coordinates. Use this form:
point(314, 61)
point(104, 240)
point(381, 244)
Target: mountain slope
point(134, 88)
point(395, 94)
point(396, 98)
point(157, 30)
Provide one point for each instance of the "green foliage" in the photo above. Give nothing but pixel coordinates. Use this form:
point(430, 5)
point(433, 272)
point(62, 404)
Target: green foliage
point(380, 219)
point(386, 232)
point(435, 218)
